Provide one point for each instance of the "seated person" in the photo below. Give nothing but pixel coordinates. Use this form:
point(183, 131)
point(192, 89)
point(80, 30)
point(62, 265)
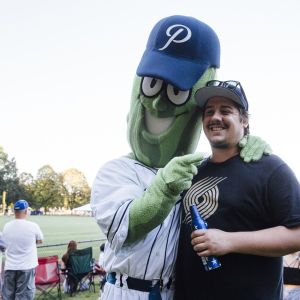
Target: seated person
point(64, 267)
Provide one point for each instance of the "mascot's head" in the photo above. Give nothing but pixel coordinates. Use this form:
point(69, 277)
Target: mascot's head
point(182, 54)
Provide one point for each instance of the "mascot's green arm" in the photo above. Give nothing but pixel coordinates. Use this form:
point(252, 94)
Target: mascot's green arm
point(154, 206)
point(156, 203)
point(253, 148)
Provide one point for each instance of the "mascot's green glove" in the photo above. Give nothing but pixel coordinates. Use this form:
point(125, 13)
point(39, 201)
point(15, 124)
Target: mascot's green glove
point(253, 148)
point(156, 203)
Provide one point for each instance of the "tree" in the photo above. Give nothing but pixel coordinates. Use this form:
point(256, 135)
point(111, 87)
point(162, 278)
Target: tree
point(77, 190)
point(27, 185)
point(9, 180)
point(47, 188)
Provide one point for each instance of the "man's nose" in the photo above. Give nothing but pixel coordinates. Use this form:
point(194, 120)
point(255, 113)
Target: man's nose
point(217, 116)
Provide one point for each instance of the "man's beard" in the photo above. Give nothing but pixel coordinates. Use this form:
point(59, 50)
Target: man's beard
point(219, 145)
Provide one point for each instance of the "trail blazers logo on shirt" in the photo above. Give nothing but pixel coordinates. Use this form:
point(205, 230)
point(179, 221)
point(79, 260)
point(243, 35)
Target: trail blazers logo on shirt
point(205, 195)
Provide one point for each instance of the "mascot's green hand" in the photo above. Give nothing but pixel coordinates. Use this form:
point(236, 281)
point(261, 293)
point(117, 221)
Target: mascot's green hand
point(154, 206)
point(179, 172)
point(253, 148)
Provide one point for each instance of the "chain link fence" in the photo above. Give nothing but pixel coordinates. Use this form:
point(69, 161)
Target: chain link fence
point(61, 248)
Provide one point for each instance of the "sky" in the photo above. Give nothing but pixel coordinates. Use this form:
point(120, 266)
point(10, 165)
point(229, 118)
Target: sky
point(67, 68)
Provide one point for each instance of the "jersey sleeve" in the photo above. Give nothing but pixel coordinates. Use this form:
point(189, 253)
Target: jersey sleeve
point(115, 186)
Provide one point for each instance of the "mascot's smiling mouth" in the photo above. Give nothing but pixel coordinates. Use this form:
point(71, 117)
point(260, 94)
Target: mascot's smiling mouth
point(157, 125)
point(158, 129)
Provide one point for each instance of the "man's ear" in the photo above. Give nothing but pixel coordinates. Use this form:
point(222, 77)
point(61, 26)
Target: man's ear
point(245, 121)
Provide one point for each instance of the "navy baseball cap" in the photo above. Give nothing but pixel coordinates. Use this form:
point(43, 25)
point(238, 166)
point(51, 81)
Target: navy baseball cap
point(179, 50)
point(21, 205)
point(230, 89)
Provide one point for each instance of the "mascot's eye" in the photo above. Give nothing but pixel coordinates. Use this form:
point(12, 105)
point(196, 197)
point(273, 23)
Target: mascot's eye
point(151, 86)
point(177, 96)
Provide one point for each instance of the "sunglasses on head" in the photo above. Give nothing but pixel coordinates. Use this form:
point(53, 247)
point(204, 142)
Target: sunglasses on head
point(229, 84)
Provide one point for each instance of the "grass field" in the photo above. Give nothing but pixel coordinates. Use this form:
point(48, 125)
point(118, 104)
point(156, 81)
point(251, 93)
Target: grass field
point(88, 294)
point(63, 228)
point(60, 230)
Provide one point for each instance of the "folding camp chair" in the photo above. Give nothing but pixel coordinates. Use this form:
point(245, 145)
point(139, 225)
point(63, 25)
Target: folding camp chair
point(47, 277)
point(291, 270)
point(79, 270)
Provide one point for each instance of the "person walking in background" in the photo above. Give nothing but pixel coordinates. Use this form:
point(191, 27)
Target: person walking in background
point(252, 210)
point(20, 237)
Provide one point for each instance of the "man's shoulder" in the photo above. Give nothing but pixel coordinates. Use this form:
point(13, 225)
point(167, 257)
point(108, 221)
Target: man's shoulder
point(31, 224)
point(11, 227)
point(272, 157)
point(271, 160)
point(9, 224)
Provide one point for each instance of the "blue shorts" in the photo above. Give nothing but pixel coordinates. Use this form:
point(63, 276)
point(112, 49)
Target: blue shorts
point(18, 284)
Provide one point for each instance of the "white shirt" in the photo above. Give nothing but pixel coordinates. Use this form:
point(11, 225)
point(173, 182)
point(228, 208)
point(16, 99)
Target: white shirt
point(20, 238)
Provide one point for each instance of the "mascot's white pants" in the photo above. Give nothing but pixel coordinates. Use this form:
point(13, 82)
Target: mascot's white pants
point(114, 292)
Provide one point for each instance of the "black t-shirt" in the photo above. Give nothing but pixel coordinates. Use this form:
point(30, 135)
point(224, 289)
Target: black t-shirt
point(237, 196)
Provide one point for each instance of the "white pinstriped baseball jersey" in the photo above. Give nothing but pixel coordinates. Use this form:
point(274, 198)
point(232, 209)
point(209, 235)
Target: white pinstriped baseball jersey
point(117, 183)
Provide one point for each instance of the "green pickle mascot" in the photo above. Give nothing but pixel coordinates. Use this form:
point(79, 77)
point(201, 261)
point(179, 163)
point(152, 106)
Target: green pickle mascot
point(136, 198)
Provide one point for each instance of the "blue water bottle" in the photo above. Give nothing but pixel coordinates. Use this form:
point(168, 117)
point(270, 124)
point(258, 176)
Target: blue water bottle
point(209, 262)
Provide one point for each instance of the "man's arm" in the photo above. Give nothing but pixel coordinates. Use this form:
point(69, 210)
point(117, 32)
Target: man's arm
point(275, 241)
point(39, 235)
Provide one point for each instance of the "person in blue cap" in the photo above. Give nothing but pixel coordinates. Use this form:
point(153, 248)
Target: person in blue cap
point(136, 198)
point(20, 237)
point(252, 210)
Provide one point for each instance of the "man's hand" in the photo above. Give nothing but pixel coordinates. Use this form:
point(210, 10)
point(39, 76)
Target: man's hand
point(211, 242)
point(273, 242)
point(99, 270)
point(253, 148)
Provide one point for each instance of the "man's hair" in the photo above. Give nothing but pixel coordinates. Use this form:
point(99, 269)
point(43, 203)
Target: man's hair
point(20, 212)
point(244, 116)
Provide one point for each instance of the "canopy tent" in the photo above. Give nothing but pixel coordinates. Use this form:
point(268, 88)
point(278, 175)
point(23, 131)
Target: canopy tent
point(86, 207)
point(84, 210)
